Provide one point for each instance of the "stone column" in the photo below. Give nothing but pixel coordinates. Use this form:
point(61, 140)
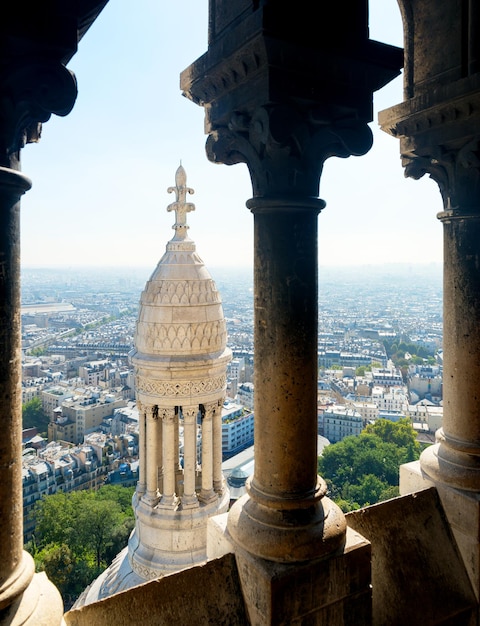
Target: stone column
point(151, 494)
point(217, 448)
point(438, 137)
point(22, 595)
point(142, 456)
point(178, 469)
point(177, 442)
point(207, 494)
point(282, 108)
point(189, 455)
point(453, 464)
point(285, 515)
point(160, 457)
point(455, 460)
point(285, 279)
point(14, 564)
point(168, 422)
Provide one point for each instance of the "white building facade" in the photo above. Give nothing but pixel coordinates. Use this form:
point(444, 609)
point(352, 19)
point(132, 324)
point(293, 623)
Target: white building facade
point(340, 422)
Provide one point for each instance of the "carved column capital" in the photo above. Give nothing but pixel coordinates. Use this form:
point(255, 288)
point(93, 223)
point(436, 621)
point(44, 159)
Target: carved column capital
point(31, 91)
point(439, 136)
point(456, 171)
point(167, 415)
point(285, 147)
point(211, 409)
point(190, 413)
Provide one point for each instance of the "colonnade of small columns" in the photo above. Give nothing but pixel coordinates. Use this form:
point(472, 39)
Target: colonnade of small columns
point(162, 480)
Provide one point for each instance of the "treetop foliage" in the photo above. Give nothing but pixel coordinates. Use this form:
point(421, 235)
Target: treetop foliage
point(78, 534)
point(364, 469)
point(33, 415)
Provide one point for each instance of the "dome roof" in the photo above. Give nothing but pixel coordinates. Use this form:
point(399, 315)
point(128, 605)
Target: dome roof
point(181, 313)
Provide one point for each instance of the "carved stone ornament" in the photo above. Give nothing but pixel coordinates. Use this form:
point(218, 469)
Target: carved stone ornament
point(180, 388)
point(168, 415)
point(211, 409)
point(29, 93)
point(144, 572)
point(457, 173)
point(285, 147)
point(181, 206)
point(187, 292)
point(190, 337)
point(190, 413)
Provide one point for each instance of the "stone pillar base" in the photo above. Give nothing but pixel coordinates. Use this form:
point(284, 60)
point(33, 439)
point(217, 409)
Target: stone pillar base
point(457, 467)
point(285, 536)
point(39, 605)
point(335, 590)
point(462, 509)
point(207, 496)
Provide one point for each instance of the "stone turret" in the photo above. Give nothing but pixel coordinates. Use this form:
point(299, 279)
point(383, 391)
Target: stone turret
point(180, 360)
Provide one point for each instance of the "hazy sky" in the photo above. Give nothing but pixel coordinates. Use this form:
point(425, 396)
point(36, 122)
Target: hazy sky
point(100, 175)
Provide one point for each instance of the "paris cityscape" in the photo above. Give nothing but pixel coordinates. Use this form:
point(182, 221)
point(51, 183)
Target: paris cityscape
point(78, 328)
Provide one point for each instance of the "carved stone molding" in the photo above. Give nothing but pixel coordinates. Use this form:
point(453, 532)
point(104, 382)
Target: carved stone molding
point(211, 409)
point(181, 388)
point(439, 135)
point(142, 571)
point(456, 171)
point(167, 415)
point(190, 413)
point(30, 92)
point(285, 147)
point(185, 292)
point(191, 337)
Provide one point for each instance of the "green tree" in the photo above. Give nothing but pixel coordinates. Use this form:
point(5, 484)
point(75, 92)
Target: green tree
point(38, 351)
point(96, 523)
point(77, 534)
point(120, 495)
point(33, 415)
point(58, 562)
point(400, 433)
point(368, 490)
point(365, 469)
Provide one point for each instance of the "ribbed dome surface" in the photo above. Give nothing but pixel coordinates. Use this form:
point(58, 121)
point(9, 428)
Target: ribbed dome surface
point(180, 308)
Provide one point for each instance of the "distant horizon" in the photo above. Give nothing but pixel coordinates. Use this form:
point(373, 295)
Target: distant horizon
point(234, 267)
point(367, 275)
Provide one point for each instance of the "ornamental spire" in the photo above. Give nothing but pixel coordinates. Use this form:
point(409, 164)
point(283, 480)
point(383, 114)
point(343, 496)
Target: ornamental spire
point(180, 206)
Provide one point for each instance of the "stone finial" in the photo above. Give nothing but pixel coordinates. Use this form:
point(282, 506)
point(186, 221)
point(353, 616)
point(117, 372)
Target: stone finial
point(180, 206)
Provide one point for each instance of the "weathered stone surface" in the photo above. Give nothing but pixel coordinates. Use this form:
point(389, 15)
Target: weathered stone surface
point(333, 591)
point(462, 509)
point(208, 594)
point(418, 577)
